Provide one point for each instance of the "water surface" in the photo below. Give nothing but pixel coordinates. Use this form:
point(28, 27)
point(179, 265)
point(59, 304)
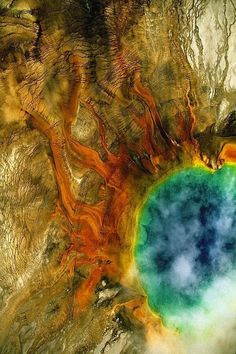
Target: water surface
point(186, 242)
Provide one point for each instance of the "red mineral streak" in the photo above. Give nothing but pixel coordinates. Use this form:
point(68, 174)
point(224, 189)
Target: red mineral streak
point(148, 99)
point(94, 229)
point(228, 153)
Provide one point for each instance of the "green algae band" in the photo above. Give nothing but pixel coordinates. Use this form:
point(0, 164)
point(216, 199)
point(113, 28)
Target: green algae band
point(186, 241)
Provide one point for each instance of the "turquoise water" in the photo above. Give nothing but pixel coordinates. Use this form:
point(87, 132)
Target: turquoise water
point(186, 239)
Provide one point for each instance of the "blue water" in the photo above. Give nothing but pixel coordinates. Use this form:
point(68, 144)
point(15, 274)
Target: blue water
point(187, 237)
